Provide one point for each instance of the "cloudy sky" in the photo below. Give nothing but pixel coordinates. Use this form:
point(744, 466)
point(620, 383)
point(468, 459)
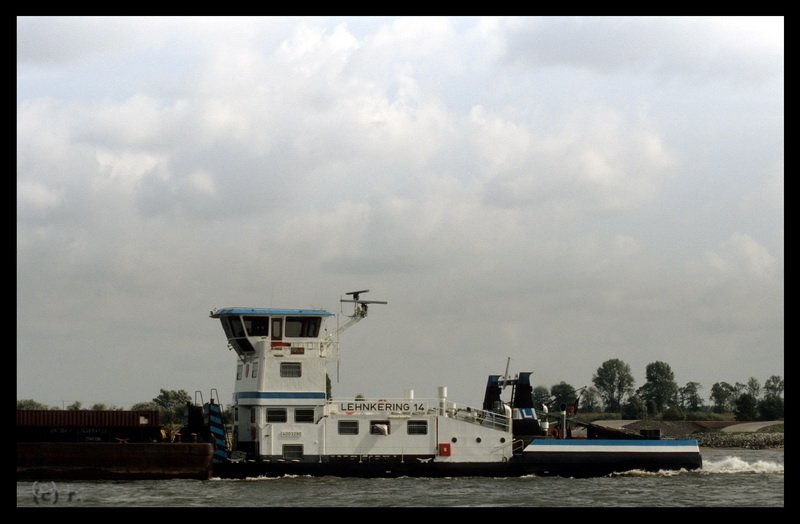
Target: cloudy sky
point(560, 191)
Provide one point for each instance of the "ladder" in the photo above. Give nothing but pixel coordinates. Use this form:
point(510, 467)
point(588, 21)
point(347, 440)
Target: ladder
point(219, 434)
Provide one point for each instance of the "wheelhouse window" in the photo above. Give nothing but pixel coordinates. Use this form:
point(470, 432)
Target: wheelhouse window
point(293, 451)
point(256, 326)
point(236, 327)
point(276, 415)
point(291, 369)
point(417, 427)
point(234, 331)
point(304, 415)
point(348, 427)
point(239, 367)
point(303, 326)
point(255, 368)
point(379, 427)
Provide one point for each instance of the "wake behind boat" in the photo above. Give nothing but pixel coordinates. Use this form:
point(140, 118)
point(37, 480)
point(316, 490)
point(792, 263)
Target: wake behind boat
point(285, 421)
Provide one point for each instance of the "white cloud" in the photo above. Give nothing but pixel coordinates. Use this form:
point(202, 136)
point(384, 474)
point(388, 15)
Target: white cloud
point(37, 196)
point(741, 257)
point(731, 48)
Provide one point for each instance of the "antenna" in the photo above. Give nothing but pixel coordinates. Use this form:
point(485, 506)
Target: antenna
point(360, 307)
point(359, 312)
point(505, 377)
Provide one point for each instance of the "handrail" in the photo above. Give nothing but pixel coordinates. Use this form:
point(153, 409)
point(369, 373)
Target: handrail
point(424, 406)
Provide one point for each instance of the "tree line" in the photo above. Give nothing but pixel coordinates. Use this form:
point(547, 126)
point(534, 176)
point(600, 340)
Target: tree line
point(613, 391)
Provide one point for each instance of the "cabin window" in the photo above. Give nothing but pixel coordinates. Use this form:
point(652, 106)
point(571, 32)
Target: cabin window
point(252, 415)
point(239, 371)
point(276, 415)
point(304, 415)
point(292, 451)
point(302, 326)
point(277, 329)
point(348, 427)
point(291, 369)
point(234, 331)
point(236, 327)
point(379, 427)
point(235, 414)
point(417, 427)
point(256, 326)
point(255, 368)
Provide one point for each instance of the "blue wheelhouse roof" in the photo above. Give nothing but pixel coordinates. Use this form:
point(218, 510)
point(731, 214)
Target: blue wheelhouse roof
point(233, 311)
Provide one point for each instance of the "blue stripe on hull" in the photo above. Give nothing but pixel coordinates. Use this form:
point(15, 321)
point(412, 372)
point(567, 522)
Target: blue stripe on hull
point(580, 447)
point(611, 442)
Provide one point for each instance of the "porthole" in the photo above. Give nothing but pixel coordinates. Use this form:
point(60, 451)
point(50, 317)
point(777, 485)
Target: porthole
point(478, 440)
point(453, 440)
point(502, 440)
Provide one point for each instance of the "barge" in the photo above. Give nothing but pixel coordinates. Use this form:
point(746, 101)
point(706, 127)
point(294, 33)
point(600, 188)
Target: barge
point(285, 421)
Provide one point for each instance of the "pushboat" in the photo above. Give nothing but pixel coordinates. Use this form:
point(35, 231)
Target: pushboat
point(285, 421)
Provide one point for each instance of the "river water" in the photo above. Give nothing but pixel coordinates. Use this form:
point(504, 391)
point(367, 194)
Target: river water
point(729, 478)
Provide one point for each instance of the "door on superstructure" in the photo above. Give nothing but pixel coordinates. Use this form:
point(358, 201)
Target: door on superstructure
point(277, 329)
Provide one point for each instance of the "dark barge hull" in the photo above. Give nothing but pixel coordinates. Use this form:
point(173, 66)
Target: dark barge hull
point(111, 461)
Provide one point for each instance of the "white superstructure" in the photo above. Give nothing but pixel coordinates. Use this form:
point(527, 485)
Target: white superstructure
point(283, 410)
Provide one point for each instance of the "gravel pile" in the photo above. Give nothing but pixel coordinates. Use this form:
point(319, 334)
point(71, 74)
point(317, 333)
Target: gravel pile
point(738, 440)
point(709, 439)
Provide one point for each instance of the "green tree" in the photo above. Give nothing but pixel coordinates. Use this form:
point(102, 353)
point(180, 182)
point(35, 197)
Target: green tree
point(738, 389)
point(634, 409)
point(746, 405)
point(75, 406)
point(172, 406)
point(563, 394)
point(754, 387)
point(770, 408)
point(100, 406)
point(773, 387)
point(29, 404)
point(145, 406)
point(590, 400)
point(660, 388)
point(723, 396)
point(541, 395)
point(614, 382)
point(690, 396)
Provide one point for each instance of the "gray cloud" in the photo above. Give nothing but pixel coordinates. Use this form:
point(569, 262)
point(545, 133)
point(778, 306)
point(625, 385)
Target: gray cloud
point(502, 210)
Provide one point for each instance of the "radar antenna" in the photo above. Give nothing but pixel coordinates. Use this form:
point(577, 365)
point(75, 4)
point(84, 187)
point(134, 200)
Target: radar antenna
point(360, 306)
point(359, 312)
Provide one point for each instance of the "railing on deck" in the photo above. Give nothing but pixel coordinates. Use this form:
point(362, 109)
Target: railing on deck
point(407, 407)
